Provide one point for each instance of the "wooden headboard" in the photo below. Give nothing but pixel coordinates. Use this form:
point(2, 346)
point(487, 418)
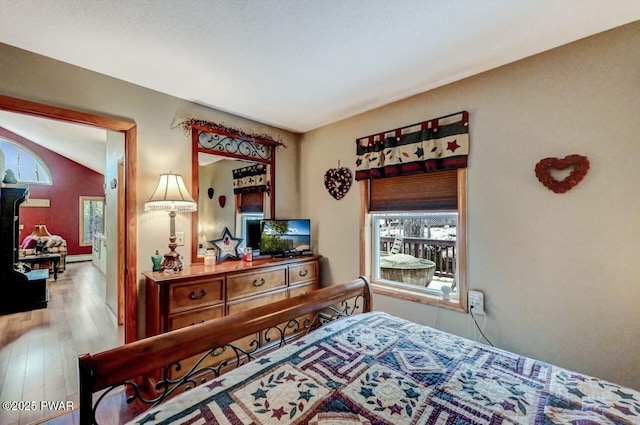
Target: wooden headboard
point(148, 368)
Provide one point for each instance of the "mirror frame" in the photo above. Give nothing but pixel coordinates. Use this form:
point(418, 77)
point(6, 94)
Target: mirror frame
point(196, 148)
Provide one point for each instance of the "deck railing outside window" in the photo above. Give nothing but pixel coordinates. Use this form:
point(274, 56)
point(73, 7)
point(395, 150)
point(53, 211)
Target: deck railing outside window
point(441, 252)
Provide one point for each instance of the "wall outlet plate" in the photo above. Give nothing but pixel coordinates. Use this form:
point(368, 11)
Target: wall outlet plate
point(180, 238)
point(476, 302)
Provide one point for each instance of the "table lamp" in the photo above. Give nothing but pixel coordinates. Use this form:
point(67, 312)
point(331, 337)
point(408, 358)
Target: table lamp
point(171, 195)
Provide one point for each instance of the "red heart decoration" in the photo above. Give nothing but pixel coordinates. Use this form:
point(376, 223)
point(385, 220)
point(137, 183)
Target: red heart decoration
point(544, 167)
point(337, 181)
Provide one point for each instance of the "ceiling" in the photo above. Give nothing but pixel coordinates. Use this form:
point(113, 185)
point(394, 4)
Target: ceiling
point(300, 64)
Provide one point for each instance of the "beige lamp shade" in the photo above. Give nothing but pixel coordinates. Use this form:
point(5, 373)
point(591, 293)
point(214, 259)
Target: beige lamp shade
point(171, 195)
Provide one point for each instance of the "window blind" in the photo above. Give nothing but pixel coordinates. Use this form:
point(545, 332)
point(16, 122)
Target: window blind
point(436, 190)
point(251, 202)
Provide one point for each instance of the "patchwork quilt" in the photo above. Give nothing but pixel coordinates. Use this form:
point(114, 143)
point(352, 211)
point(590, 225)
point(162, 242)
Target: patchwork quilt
point(374, 368)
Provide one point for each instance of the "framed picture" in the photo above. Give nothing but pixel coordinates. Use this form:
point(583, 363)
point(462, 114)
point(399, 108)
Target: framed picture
point(91, 218)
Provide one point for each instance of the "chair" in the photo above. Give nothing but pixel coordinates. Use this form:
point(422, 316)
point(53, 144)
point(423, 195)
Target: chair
point(397, 245)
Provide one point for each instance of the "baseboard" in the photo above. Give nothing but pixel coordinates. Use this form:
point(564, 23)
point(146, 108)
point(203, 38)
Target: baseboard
point(79, 258)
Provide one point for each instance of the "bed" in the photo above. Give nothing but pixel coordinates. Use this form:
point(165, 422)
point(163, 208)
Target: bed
point(367, 368)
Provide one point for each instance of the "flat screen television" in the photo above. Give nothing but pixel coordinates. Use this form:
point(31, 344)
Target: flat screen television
point(278, 237)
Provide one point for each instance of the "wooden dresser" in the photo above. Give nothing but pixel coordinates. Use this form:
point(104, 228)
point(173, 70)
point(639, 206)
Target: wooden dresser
point(200, 292)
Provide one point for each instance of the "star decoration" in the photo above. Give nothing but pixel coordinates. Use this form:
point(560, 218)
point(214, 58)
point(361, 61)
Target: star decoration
point(420, 152)
point(395, 409)
point(306, 395)
point(227, 245)
point(260, 393)
point(452, 146)
point(279, 413)
point(366, 392)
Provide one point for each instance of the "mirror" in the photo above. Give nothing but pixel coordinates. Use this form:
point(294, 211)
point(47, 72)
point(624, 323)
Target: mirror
point(215, 184)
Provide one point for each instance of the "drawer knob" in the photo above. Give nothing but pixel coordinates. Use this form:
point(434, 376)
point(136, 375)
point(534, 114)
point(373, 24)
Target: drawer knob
point(260, 283)
point(193, 295)
point(202, 321)
point(303, 273)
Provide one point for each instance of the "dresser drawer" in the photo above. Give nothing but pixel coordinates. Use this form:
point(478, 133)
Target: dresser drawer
point(303, 272)
point(303, 289)
point(247, 284)
point(182, 320)
point(194, 294)
point(257, 301)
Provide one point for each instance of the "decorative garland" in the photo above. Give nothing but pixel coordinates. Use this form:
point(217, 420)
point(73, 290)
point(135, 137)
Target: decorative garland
point(186, 126)
point(544, 167)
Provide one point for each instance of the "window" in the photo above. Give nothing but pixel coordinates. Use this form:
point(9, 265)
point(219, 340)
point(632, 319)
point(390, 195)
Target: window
point(415, 236)
point(415, 250)
point(250, 228)
point(24, 165)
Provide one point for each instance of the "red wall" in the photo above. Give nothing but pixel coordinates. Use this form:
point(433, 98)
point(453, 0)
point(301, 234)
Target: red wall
point(70, 181)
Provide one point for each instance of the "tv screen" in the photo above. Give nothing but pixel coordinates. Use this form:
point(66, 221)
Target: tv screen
point(283, 236)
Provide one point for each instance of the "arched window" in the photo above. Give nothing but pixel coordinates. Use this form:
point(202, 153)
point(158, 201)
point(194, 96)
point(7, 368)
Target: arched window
point(23, 164)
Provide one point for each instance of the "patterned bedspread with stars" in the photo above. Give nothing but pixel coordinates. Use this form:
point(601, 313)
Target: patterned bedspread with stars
point(374, 368)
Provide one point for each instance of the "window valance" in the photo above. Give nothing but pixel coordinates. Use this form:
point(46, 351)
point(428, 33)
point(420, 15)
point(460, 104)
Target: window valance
point(251, 179)
point(437, 144)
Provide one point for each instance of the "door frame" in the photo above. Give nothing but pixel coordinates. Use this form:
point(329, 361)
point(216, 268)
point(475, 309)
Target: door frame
point(127, 222)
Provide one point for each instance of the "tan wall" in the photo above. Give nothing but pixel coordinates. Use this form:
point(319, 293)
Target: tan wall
point(559, 272)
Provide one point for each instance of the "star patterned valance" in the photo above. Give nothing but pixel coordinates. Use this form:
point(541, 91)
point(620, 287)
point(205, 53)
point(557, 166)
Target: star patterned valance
point(437, 144)
point(253, 178)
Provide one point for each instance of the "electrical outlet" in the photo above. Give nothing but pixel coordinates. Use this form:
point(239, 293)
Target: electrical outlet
point(180, 238)
point(476, 302)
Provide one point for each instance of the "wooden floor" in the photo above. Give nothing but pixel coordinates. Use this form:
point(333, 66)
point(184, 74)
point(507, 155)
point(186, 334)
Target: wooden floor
point(39, 349)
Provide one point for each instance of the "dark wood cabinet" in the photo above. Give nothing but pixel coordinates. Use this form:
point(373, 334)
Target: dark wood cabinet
point(20, 291)
point(207, 292)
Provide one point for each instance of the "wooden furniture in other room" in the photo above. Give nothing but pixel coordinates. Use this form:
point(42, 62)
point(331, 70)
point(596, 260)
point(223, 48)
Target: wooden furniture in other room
point(44, 258)
point(20, 291)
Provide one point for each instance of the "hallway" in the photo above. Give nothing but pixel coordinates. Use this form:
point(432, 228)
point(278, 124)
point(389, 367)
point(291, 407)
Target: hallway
point(39, 348)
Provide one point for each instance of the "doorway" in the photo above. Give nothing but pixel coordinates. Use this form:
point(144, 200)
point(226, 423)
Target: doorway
point(127, 224)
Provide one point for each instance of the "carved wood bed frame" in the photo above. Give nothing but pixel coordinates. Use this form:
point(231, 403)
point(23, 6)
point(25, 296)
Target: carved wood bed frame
point(159, 356)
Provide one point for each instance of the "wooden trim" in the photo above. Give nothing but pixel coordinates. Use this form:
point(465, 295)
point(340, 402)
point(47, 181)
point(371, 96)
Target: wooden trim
point(364, 210)
point(462, 238)
point(42, 110)
point(129, 237)
point(195, 193)
point(417, 297)
point(121, 247)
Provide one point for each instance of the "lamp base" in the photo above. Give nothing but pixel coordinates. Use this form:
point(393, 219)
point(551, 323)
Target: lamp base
point(171, 259)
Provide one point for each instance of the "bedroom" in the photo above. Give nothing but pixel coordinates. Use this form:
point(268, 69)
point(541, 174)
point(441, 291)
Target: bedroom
point(558, 271)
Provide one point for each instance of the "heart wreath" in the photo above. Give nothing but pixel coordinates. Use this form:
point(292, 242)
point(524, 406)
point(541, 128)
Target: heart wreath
point(544, 167)
point(337, 181)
